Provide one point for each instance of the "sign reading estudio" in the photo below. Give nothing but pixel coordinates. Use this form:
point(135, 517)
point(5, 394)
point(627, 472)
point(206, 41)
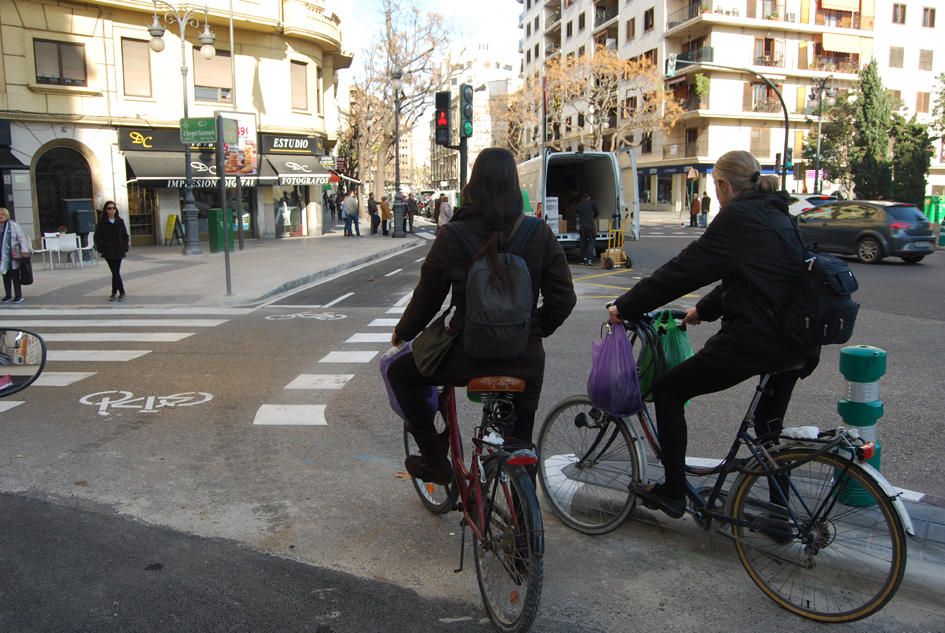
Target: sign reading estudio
point(292, 144)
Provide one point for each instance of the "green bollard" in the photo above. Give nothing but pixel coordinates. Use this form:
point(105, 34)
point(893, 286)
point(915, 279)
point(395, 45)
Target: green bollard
point(862, 366)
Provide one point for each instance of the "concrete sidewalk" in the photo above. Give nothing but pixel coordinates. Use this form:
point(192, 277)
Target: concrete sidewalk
point(162, 276)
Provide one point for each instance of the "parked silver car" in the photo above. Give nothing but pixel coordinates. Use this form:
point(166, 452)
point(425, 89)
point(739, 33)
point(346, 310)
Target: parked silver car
point(869, 229)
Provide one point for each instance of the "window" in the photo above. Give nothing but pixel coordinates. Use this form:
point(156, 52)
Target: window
point(536, 52)
point(648, 20)
point(569, 30)
point(899, 14)
point(760, 142)
point(528, 30)
point(535, 28)
point(895, 57)
point(650, 56)
point(581, 52)
point(212, 78)
point(319, 91)
point(59, 63)
point(631, 28)
point(646, 145)
point(922, 102)
point(299, 82)
point(528, 56)
point(925, 60)
point(581, 22)
point(136, 64)
point(895, 98)
point(928, 17)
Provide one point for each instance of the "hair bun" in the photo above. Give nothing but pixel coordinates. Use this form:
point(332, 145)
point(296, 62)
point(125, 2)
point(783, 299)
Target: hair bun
point(755, 176)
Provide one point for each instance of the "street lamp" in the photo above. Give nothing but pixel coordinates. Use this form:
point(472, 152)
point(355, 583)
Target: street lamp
point(182, 17)
point(817, 92)
point(397, 82)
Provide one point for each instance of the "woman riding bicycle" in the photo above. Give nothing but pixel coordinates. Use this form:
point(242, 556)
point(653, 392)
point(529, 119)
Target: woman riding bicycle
point(753, 248)
point(492, 203)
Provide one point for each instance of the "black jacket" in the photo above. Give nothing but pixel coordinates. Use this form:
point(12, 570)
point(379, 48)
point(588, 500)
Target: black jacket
point(111, 239)
point(752, 247)
point(586, 212)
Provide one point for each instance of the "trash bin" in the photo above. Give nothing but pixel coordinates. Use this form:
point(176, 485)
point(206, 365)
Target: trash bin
point(215, 229)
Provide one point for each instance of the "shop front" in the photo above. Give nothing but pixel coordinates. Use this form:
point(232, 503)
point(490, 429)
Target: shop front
point(10, 166)
point(292, 165)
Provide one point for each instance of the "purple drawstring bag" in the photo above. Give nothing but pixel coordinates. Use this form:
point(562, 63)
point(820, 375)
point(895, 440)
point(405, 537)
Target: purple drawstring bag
point(388, 357)
point(613, 385)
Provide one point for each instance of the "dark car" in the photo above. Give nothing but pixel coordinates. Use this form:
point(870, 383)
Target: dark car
point(869, 229)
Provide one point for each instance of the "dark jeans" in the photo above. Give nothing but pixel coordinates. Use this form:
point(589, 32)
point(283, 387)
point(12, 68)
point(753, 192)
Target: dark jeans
point(694, 220)
point(375, 222)
point(12, 277)
point(347, 225)
point(587, 243)
point(700, 375)
point(385, 224)
point(356, 223)
point(115, 266)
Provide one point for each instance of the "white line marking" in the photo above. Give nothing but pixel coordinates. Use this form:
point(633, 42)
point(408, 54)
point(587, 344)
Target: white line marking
point(116, 337)
point(46, 323)
point(348, 357)
point(391, 273)
point(383, 322)
point(290, 415)
point(291, 307)
point(9, 404)
point(404, 300)
point(398, 310)
point(338, 300)
point(155, 311)
point(61, 378)
point(319, 381)
point(96, 355)
point(370, 337)
point(416, 261)
point(427, 236)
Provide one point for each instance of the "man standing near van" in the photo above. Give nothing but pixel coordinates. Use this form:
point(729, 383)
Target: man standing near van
point(587, 215)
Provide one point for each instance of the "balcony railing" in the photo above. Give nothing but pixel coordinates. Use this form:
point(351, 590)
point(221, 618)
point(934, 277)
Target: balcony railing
point(602, 16)
point(766, 105)
point(844, 20)
point(685, 150)
point(704, 54)
point(835, 65)
point(694, 102)
point(551, 49)
point(685, 14)
point(553, 21)
point(769, 60)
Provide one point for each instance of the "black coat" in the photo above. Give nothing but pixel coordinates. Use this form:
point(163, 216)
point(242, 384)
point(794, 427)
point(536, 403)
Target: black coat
point(111, 239)
point(752, 247)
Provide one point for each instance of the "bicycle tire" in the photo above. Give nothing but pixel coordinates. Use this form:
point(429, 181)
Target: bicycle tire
point(593, 497)
point(434, 497)
point(842, 567)
point(510, 556)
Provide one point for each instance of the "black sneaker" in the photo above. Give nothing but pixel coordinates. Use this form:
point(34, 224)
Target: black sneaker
point(440, 474)
point(652, 498)
point(112, 297)
point(6, 300)
point(18, 300)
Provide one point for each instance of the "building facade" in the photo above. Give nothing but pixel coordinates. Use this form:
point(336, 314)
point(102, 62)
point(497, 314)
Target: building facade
point(93, 104)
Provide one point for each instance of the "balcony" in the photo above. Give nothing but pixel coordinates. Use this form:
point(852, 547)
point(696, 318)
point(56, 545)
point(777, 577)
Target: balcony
point(769, 60)
point(695, 56)
point(843, 20)
point(552, 49)
point(765, 105)
point(685, 14)
point(603, 16)
point(694, 102)
point(835, 64)
point(553, 20)
point(685, 150)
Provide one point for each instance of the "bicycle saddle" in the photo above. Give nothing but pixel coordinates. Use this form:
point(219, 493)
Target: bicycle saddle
point(496, 383)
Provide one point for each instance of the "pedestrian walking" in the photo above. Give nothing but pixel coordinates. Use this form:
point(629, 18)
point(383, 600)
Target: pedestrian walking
point(587, 215)
point(352, 221)
point(694, 210)
point(386, 215)
point(444, 211)
point(372, 211)
point(704, 208)
point(14, 246)
point(111, 241)
point(412, 210)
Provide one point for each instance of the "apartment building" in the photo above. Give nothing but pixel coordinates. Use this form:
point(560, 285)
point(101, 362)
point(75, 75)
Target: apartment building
point(722, 48)
point(90, 103)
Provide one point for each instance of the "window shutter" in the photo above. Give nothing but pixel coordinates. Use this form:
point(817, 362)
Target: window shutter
point(136, 64)
point(73, 63)
point(214, 72)
point(925, 60)
point(47, 59)
point(299, 88)
point(746, 97)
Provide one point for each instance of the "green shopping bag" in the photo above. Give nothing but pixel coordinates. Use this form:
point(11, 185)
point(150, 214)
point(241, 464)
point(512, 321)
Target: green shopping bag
point(674, 342)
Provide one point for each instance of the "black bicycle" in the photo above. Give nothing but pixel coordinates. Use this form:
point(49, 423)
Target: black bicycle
point(818, 529)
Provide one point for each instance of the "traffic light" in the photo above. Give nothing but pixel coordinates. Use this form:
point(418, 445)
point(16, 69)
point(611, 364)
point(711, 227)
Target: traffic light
point(465, 110)
point(442, 114)
point(789, 159)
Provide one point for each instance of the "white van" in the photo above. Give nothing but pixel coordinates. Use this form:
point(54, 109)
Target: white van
point(558, 181)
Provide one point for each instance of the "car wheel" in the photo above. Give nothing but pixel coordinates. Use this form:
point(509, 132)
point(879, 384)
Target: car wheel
point(869, 251)
point(913, 259)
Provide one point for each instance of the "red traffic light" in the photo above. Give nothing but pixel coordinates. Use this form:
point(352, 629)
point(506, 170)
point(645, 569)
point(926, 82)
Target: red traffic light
point(442, 118)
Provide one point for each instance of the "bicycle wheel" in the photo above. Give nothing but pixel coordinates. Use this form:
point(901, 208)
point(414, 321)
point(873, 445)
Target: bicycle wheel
point(819, 557)
point(588, 460)
point(509, 557)
point(435, 498)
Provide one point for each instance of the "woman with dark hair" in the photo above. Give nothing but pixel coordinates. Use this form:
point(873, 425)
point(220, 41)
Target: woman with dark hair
point(111, 241)
point(492, 203)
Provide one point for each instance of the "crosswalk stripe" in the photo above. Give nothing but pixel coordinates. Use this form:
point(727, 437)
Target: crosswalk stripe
point(319, 381)
point(370, 337)
point(95, 355)
point(427, 236)
point(116, 337)
point(47, 323)
point(155, 311)
point(383, 323)
point(6, 405)
point(290, 415)
point(348, 357)
point(397, 310)
point(61, 378)
point(404, 300)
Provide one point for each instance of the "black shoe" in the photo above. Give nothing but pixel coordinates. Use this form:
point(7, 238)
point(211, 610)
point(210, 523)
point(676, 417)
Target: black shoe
point(112, 297)
point(6, 299)
point(652, 498)
point(440, 474)
point(18, 300)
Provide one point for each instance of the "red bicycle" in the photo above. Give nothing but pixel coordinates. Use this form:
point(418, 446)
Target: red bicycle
point(497, 499)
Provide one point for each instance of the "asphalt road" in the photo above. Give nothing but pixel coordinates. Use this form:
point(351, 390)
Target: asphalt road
point(249, 522)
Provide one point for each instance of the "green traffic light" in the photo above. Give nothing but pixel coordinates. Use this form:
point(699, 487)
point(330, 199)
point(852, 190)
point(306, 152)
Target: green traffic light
point(467, 128)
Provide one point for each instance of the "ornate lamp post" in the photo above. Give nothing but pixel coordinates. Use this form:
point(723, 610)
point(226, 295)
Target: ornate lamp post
point(397, 82)
point(817, 93)
point(182, 17)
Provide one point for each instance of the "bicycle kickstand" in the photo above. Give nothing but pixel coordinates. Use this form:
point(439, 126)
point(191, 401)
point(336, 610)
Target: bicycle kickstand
point(462, 547)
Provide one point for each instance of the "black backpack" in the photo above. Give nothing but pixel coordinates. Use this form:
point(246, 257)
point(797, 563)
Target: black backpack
point(497, 321)
point(821, 310)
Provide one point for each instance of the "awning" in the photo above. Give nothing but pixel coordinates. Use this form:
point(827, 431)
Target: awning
point(838, 43)
point(841, 5)
point(294, 170)
point(166, 170)
point(9, 161)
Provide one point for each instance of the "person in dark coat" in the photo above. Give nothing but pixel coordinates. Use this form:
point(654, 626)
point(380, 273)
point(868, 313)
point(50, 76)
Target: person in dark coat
point(753, 248)
point(587, 216)
point(111, 241)
point(492, 202)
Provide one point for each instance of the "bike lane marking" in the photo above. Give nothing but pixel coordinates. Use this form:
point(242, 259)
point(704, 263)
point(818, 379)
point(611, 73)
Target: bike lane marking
point(6, 405)
point(95, 355)
point(116, 337)
point(319, 381)
point(393, 272)
point(61, 378)
point(338, 300)
point(370, 337)
point(383, 322)
point(348, 357)
point(290, 415)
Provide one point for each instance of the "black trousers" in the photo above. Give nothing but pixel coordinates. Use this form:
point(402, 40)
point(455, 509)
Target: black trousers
point(700, 375)
point(12, 278)
point(115, 266)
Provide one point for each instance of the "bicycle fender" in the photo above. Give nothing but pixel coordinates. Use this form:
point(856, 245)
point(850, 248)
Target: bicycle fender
point(893, 493)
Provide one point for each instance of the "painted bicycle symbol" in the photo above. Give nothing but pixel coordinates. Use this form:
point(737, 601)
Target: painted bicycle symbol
point(106, 400)
point(319, 316)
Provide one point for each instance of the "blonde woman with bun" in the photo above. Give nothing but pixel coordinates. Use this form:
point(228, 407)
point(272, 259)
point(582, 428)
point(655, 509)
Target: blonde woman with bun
point(752, 248)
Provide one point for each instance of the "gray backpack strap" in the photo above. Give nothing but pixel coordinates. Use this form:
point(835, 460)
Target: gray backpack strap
point(519, 239)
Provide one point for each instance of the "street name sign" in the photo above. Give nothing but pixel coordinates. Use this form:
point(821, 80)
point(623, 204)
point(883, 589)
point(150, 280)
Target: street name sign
point(200, 130)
